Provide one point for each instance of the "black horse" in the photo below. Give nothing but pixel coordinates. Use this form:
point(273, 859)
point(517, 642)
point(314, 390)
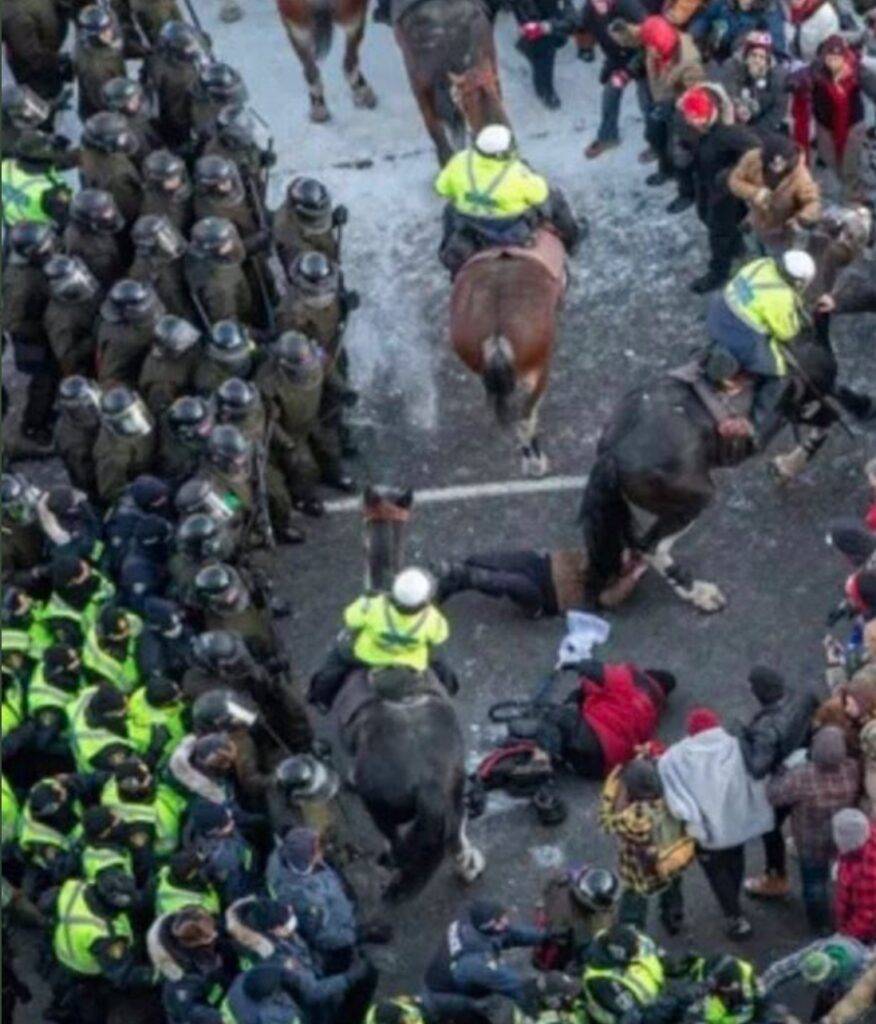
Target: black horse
point(405, 742)
point(653, 472)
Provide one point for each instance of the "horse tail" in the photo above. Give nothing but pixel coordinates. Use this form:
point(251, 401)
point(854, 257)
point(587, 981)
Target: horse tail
point(422, 847)
point(607, 523)
point(499, 377)
point(323, 26)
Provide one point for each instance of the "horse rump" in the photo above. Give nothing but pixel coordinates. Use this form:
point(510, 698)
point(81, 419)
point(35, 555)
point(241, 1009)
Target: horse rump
point(422, 843)
point(607, 524)
point(499, 377)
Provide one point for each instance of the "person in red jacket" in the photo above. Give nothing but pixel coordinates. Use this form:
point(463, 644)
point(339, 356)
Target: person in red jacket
point(614, 711)
point(855, 899)
point(838, 109)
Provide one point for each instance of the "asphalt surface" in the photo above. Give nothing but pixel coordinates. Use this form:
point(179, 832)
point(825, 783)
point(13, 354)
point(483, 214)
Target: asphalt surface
point(422, 422)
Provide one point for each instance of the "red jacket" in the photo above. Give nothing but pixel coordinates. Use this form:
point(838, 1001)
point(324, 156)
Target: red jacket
point(622, 714)
point(855, 901)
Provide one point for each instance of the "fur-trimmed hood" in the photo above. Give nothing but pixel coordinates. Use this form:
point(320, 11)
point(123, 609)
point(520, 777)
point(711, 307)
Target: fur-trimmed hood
point(191, 778)
point(245, 936)
point(159, 953)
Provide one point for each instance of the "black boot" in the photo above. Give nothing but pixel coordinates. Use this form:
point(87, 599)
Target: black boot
point(709, 281)
point(680, 204)
point(452, 577)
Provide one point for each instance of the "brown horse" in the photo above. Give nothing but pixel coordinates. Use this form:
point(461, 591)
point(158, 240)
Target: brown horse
point(503, 322)
point(309, 25)
point(450, 58)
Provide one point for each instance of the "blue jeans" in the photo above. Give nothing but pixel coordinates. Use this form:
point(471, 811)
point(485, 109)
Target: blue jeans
point(814, 877)
point(609, 130)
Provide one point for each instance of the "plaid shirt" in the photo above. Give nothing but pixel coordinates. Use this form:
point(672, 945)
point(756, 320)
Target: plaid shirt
point(855, 901)
point(815, 794)
point(634, 827)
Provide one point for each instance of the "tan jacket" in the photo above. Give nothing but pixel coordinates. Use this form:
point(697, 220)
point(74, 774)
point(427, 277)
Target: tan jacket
point(797, 199)
point(680, 12)
point(669, 82)
point(860, 998)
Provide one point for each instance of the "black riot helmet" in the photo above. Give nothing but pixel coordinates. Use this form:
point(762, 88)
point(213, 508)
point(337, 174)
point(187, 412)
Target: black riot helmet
point(217, 176)
point(109, 132)
point(235, 126)
point(180, 42)
point(229, 343)
point(154, 235)
point(234, 399)
point(222, 83)
point(165, 170)
point(229, 450)
point(314, 275)
point(33, 242)
point(23, 107)
point(221, 710)
point(174, 336)
point(70, 280)
point(96, 211)
point(216, 238)
point(199, 536)
point(190, 418)
point(18, 497)
point(219, 586)
point(96, 25)
point(78, 392)
point(122, 410)
point(298, 356)
point(123, 96)
point(217, 649)
point(198, 496)
point(596, 889)
point(128, 301)
point(311, 202)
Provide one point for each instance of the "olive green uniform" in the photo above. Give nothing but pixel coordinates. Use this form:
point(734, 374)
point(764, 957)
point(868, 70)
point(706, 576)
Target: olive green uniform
point(74, 443)
point(123, 347)
point(33, 33)
point(119, 460)
point(101, 253)
point(163, 380)
point(95, 66)
point(152, 14)
point(177, 460)
point(71, 330)
point(117, 174)
point(177, 207)
point(292, 239)
point(168, 279)
point(172, 83)
point(221, 287)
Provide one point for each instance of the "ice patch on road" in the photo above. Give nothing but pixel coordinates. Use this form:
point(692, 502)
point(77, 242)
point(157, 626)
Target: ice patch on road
point(546, 857)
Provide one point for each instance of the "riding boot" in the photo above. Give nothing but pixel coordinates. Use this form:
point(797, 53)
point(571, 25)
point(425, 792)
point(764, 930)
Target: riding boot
point(444, 674)
point(523, 591)
point(452, 577)
point(571, 230)
point(326, 682)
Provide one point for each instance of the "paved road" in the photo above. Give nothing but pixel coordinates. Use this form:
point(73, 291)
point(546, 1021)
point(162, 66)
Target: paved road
point(423, 423)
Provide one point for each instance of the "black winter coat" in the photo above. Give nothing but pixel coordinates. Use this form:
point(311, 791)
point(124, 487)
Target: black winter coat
point(776, 731)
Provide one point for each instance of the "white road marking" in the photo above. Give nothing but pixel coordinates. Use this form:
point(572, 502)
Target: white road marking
point(473, 492)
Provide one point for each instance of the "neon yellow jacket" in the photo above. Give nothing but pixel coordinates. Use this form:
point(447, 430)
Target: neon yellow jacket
point(23, 193)
point(481, 186)
point(387, 637)
point(761, 297)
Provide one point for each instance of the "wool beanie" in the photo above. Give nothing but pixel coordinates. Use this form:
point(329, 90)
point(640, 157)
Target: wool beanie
point(700, 720)
point(828, 746)
point(766, 685)
point(851, 829)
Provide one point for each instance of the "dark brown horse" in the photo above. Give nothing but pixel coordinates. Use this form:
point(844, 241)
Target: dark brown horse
point(450, 58)
point(309, 25)
point(503, 324)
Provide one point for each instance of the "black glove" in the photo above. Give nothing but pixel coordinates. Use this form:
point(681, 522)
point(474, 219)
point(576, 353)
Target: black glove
point(340, 216)
point(351, 300)
point(268, 158)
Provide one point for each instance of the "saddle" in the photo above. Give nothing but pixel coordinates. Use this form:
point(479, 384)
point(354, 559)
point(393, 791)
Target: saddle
point(545, 248)
point(393, 684)
point(727, 394)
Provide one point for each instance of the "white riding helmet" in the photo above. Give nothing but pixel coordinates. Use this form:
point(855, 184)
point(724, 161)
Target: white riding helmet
point(494, 140)
point(799, 267)
point(412, 589)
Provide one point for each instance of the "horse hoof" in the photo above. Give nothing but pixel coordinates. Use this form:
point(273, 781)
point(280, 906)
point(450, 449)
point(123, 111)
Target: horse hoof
point(788, 467)
point(470, 864)
point(319, 113)
point(535, 465)
point(365, 97)
point(706, 596)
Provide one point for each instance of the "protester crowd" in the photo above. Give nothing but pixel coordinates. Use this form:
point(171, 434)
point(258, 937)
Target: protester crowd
point(172, 830)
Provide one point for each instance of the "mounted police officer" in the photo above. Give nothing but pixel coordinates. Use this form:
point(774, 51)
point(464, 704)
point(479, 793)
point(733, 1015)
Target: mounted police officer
point(71, 313)
point(76, 430)
point(167, 191)
point(93, 233)
point(25, 300)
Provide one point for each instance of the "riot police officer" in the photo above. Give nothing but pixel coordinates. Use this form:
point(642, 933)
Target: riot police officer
point(218, 84)
point(151, 16)
point(199, 539)
point(219, 193)
point(229, 352)
point(306, 221)
point(234, 139)
point(125, 445)
point(25, 113)
point(24, 543)
point(167, 191)
point(172, 69)
point(159, 249)
point(124, 334)
point(126, 97)
point(76, 430)
point(74, 300)
point(169, 368)
point(214, 271)
point(108, 146)
point(98, 56)
point(25, 299)
point(185, 427)
point(93, 233)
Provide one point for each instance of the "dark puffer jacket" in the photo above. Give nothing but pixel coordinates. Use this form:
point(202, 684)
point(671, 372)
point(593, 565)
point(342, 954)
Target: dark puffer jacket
point(777, 730)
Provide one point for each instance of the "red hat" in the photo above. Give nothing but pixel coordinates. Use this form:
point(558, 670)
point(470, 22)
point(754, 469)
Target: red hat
point(701, 719)
point(698, 104)
point(657, 34)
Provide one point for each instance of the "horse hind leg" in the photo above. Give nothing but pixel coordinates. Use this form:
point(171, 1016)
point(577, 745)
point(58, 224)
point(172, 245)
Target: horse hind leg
point(354, 31)
point(703, 595)
point(533, 461)
point(469, 861)
point(301, 38)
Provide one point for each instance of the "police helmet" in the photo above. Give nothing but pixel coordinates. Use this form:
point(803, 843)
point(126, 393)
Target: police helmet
point(165, 169)
point(222, 709)
point(154, 235)
point(109, 132)
point(229, 343)
point(17, 497)
point(215, 237)
point(198, 496)
point(618, 944)
point(78, 392)
point(216, 175)
point(235, 126)
point(222, 83)
point(128, 301)
point(69, 279)
point(412, 589)
point(96, 24)
point(596, 889)
point(798, 268)
point(234, 399)
point(228, 449)
point(33, 241)
point(219, 585)
point(180, 41)
point(298, 355)
point(123, 96)
point(215, 648)
point(313, 273)
point(96, 211)
point(23, 107)
point(309, 199)
point(174, 335)
point(199, 536)
point(190, 418)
